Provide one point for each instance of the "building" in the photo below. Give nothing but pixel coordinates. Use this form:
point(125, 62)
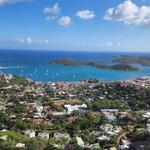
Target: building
point(4, 137)
point(109, 110)
point(148, 128)
point(61, 137)
point(43, 135)
point(20, 145)
point(79, 141)
point(103, 138)
point(70, 108)
point(110, 117)
point(92, 146)
point(30, 133)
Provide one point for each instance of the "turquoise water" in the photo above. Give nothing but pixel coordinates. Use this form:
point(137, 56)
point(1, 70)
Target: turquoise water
point(34, 65)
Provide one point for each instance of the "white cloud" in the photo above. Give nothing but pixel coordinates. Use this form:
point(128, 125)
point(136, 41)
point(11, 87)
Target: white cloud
point(27, 40)
point(129, 13)
point(54, 9)
point(2, 2)
point(108, 44)
point(85, 14)
point(65, 21)
point(46, 41)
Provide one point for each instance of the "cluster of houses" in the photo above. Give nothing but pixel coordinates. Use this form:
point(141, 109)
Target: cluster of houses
point(38, 113)
point(46, 136)
point(147, 117)
point(143, 82)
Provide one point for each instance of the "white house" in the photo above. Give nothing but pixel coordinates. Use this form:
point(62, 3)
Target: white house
point(4, 137)
point(146, 115)
point(109, 116)
point(92, 146)
point(20, 145)
point(43, 135)
point(125, 144)
point(70, 108)
point(109, 110)
point(39, 108)
point(79, 141)
point(148, 128)
point(30, 133)
point(103, 138)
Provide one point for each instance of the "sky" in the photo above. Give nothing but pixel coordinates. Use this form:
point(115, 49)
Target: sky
point(76, 25)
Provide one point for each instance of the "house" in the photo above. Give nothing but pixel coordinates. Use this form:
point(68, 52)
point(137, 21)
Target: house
point(37, 121)
point(43, 135)
point(38, 115)
point(4, 130)
point(39, 109)
point(20, 145)
point(124, 147)
point(2, 106)
point(4, 137)
point(61, 137)
point(113, 148)
point(103, 138)
point(146, 115)
point(125, 144)
point(30, 133)
point(70, 108)
point(92, 146)
point(109, 110)
point(79, 141)
point(106, 128)
point(148, 128)
point(109, 116)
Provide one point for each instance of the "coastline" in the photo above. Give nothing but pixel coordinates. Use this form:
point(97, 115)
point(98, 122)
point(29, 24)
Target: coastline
point(13, 67)
point(38, 69)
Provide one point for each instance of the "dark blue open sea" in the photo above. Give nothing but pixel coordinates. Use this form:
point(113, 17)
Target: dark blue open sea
point(34, 64)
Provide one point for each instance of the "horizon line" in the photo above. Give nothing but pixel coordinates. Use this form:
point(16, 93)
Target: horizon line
point(115, 51)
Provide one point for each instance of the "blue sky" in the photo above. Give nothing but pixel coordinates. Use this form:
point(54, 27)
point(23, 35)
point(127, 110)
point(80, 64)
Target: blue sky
point(79, 25)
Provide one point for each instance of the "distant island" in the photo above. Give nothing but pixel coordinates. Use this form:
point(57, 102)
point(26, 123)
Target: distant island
point(123, 67)
point(132, 60)
point(66, 62)
point(71, 62)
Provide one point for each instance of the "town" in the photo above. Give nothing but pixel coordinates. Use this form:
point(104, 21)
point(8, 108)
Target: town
point(90, 114)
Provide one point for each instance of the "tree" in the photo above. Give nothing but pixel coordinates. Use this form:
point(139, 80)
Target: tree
point(31, 145)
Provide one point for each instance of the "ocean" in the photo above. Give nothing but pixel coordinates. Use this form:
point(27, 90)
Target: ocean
point(34, 65)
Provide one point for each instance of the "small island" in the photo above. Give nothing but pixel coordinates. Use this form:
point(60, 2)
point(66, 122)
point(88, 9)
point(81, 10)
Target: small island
point(71, 62)
point(132, 60)
point(66, 62)
point(123, 67)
